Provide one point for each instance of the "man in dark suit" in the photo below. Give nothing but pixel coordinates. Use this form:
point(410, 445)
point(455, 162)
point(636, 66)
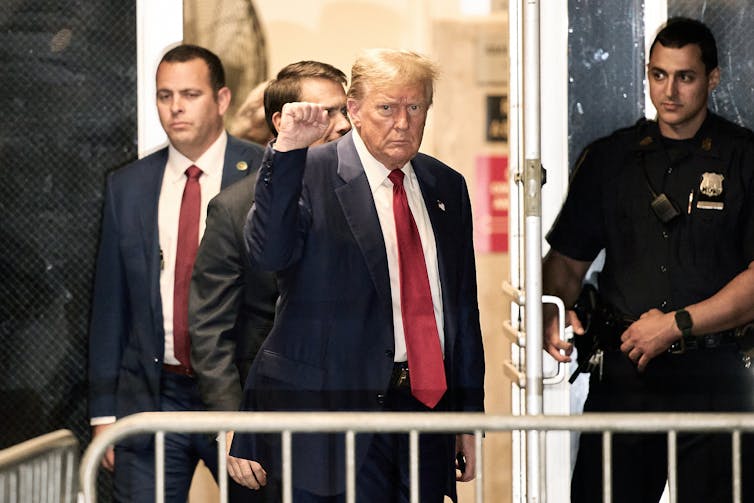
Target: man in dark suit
point(139, 358)
point(231, 306)
point(372, 245)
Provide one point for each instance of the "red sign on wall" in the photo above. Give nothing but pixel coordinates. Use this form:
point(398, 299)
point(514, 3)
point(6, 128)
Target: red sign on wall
point(492, 204)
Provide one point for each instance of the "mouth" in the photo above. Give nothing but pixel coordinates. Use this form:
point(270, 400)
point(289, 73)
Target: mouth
point(400, 142)
point(671, 107)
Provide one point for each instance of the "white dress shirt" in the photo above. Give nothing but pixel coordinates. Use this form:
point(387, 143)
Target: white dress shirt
point(211, 163)
point(382, 192)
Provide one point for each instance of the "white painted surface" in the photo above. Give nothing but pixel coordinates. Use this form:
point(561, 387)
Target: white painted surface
point(159, 24)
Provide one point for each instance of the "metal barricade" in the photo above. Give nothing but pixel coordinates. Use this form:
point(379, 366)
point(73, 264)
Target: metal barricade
point(40, 470)
point(412, 423)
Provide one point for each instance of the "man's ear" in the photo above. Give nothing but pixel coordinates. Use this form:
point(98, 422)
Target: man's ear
point(714, 80)
point(276, 120)
point(354, 107)
point(223, 99)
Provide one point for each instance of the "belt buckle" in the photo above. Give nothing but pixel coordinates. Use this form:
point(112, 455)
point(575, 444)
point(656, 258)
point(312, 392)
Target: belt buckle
point(678, 347)
point(402, 379)
point(711, 341)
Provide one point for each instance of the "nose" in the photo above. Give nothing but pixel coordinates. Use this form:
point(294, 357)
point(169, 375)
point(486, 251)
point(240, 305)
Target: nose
point(671, 89)
point(401, 119)
point(176, 105)
point(342, 125)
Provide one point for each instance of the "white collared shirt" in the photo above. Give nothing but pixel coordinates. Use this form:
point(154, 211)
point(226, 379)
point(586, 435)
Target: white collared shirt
point(382, 192)
point(174, 180)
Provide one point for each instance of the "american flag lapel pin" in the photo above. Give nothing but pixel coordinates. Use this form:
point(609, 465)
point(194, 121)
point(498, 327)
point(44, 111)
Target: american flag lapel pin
point(441, 205)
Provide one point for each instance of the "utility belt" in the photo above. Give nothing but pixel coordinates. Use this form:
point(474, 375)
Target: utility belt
point(607, 338)
point(603, 326)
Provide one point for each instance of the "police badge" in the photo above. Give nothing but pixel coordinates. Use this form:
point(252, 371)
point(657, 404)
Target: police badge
point(711, 192)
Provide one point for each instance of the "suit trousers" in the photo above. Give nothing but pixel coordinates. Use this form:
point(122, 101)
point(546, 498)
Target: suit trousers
point(134, 478)
point(384, 476)
point(134, 467)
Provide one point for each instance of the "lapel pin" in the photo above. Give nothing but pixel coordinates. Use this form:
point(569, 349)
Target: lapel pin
point(241, 166)
point(441, 205)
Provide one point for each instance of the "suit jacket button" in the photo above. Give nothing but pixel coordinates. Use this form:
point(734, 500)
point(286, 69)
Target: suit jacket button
point(381, 399)
point(389, 353)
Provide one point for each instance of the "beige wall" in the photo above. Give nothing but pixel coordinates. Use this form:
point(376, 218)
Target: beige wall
point(334, 31)
point(459, 117)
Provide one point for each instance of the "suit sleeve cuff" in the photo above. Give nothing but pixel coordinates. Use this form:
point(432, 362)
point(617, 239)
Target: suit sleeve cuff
point(97, 421)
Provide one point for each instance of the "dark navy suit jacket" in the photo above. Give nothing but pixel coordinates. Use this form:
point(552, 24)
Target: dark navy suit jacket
point(126, 341)
point(331, 348)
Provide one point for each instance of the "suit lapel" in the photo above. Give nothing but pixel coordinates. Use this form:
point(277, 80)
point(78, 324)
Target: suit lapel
point(152, 182)
point(234, 167)
point(357, 203)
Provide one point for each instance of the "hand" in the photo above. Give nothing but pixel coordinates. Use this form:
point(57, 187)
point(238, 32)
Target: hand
point(649, 336)
point(574, 322)
point(301, 124)
point(108, 460)
point(246, 472)
point(552, 343)
point(465, 446)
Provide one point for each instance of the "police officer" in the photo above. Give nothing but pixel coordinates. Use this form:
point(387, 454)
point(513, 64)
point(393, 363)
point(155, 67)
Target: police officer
point(671, 202)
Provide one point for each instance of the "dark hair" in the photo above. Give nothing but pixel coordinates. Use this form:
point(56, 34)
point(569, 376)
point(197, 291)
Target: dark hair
point(286, 87)
point(681, 31)
point(187, 52)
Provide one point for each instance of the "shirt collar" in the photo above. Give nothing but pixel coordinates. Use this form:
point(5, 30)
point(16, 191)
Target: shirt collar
point(210, 162)
point(376, 172)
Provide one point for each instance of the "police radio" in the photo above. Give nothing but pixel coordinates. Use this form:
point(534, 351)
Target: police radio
point(665, 209)
point(662, 206)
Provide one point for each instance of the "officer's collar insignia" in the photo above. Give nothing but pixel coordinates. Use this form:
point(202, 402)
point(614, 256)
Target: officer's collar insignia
point(712, 184)
point(647, 140)
point(707, 144)
point(242, 166)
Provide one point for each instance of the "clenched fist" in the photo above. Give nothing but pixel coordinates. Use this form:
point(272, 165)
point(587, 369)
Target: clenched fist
point(301, 124)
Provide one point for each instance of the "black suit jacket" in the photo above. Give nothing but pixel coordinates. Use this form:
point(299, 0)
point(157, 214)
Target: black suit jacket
point(231, 307)
point(331, 348)
point(127, 338)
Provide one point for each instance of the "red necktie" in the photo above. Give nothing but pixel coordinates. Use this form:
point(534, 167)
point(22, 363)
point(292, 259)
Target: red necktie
point(425, 363)
point(188, 242)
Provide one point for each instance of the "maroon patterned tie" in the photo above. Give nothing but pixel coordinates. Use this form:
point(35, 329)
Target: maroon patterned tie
point(425, 362)
point(188, 242)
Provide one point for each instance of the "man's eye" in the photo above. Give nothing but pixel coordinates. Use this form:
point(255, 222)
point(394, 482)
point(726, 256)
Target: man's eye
point(344, 112)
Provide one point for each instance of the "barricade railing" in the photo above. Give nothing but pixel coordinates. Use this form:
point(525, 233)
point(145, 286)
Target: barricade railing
point(40, 470)
point(351, 423)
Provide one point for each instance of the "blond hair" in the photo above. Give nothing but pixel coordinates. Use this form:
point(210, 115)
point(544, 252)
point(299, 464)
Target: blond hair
point(377, 69)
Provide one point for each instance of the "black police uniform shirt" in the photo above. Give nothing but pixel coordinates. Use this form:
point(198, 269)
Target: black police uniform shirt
point(651, 264)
